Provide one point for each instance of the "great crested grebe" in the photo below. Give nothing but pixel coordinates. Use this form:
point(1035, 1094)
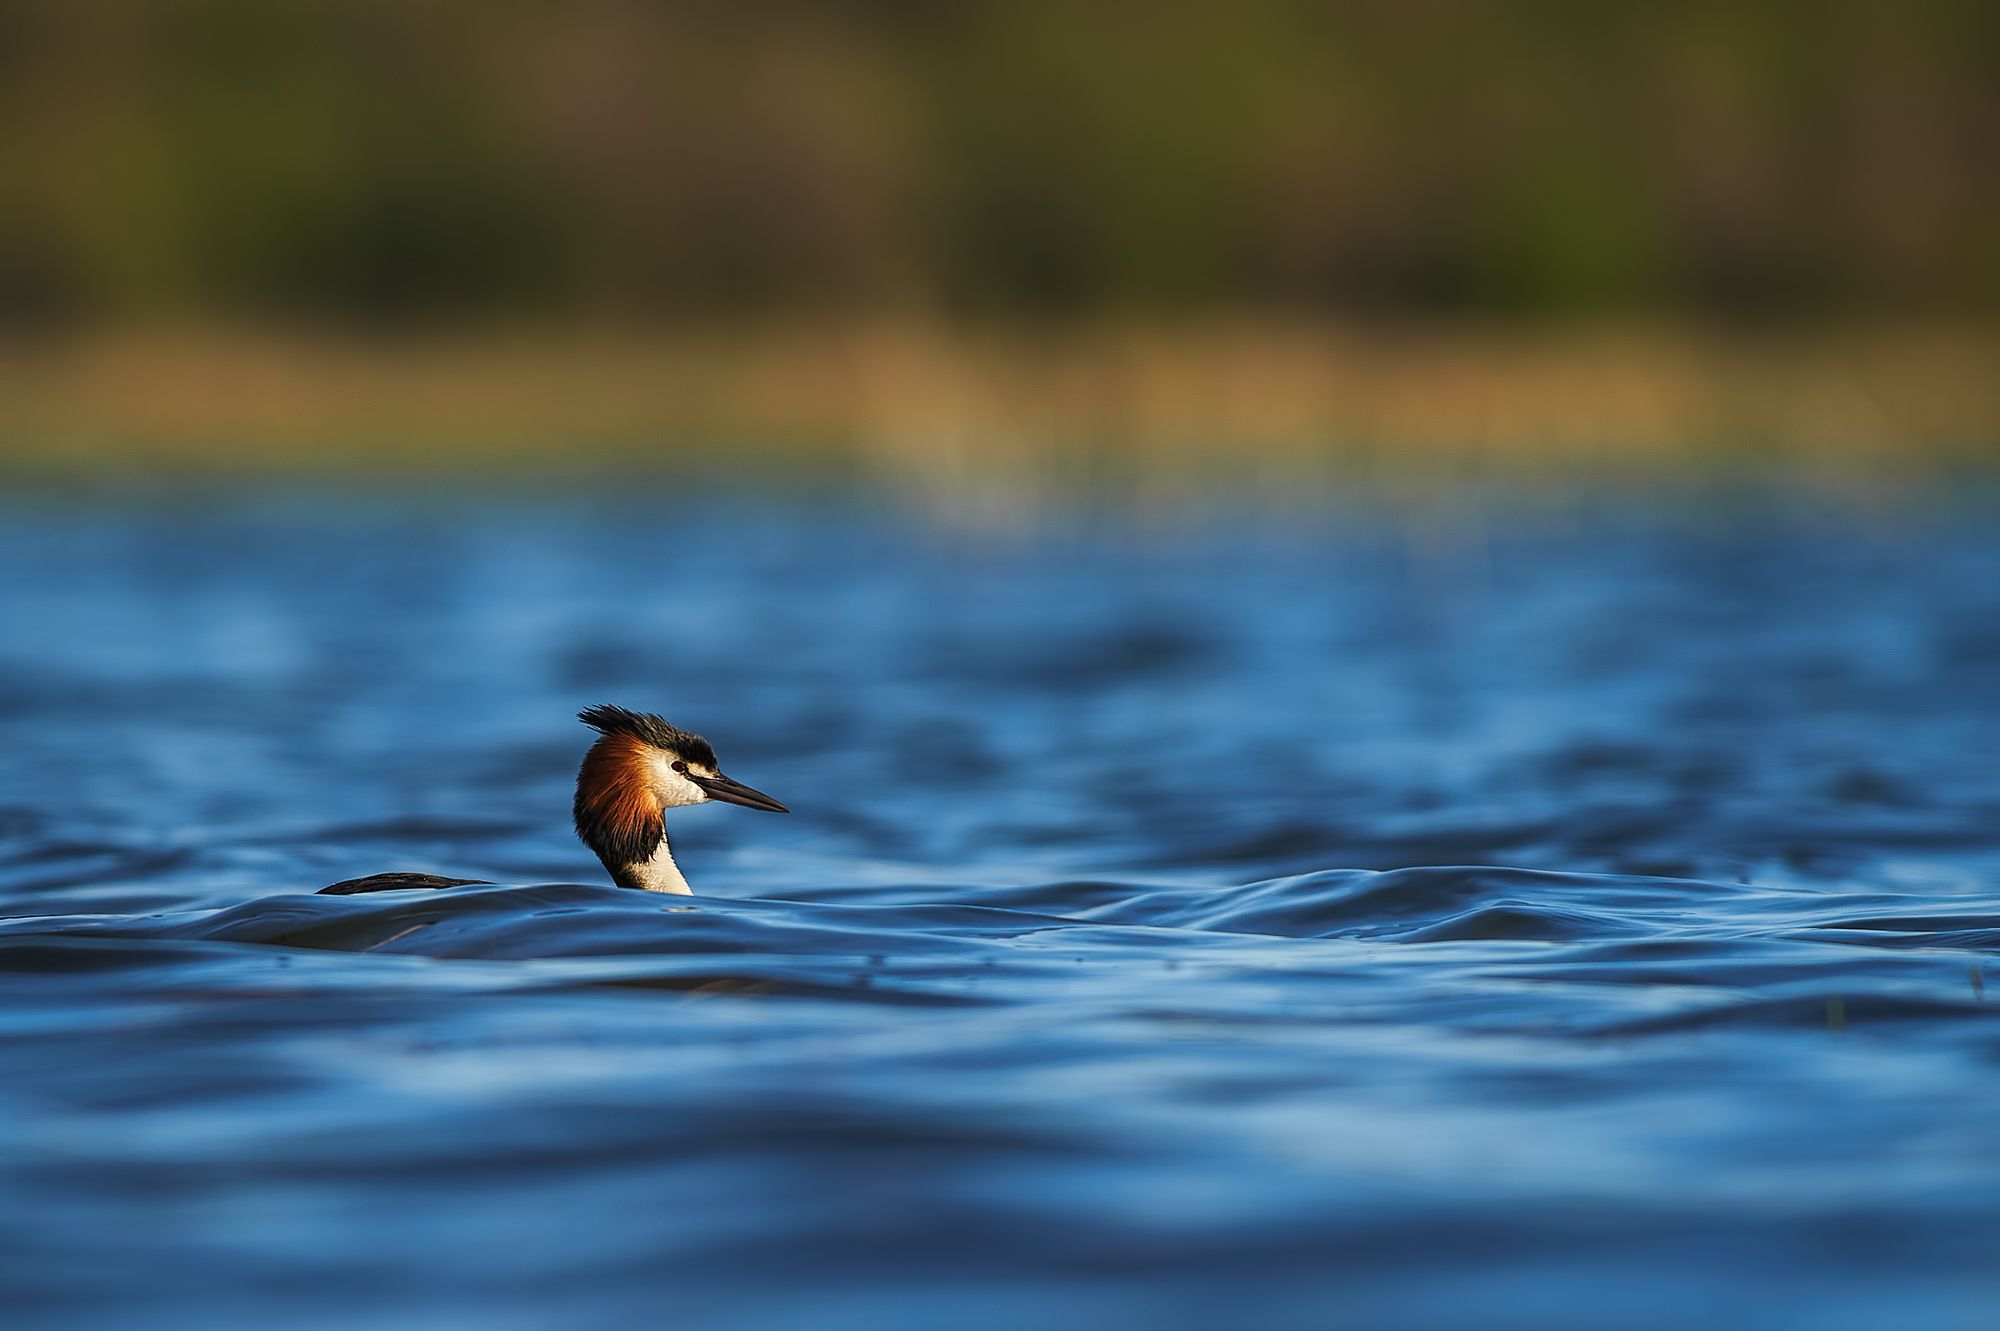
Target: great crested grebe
point(639, 768)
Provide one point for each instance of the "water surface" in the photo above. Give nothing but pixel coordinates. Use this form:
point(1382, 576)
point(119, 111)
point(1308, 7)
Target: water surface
point(1528, 913)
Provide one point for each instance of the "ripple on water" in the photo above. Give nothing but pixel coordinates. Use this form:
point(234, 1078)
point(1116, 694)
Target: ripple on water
point(1136, 954)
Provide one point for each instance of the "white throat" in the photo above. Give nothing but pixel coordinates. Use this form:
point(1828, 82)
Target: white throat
point(658, 874)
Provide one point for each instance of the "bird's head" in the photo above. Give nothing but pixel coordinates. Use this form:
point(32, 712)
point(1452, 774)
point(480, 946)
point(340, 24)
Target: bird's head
point(674, 767)
point(640, 767)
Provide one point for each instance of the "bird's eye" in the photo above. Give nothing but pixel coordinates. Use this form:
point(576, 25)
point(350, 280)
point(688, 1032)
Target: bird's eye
point(680, 766)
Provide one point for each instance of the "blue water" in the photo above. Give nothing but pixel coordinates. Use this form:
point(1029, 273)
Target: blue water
point(1120, 964)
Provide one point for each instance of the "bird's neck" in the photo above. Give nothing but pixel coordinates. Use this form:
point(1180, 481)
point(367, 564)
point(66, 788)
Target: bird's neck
point(657, 874)
point(619, 816)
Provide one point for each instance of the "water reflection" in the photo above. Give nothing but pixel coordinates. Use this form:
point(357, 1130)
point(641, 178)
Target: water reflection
point(1115, 964)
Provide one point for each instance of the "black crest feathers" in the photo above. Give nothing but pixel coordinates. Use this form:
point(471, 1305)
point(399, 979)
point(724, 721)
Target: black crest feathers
point(606, 719)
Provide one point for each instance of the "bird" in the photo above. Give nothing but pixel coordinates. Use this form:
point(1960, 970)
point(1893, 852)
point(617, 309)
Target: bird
point(639, 767)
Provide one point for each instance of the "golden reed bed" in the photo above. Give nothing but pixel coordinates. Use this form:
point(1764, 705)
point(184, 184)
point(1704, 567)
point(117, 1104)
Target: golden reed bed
point(937, 406)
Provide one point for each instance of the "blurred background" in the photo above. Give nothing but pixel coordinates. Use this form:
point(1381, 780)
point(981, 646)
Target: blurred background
point(984, 241)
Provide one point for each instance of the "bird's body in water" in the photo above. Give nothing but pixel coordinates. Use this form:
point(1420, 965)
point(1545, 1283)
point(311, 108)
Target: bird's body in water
point(640, 767)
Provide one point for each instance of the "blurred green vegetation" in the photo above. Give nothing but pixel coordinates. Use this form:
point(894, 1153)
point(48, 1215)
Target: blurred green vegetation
point(394, 162)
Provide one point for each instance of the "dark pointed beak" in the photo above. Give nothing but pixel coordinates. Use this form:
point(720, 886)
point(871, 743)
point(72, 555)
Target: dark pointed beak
point(720, 787)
